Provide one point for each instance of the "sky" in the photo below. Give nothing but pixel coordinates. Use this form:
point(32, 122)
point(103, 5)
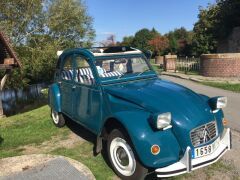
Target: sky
point(126, 17)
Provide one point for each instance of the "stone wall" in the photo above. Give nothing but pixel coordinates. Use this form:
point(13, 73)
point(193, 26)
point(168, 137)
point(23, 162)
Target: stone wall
point(220, 65)
point(231, 44)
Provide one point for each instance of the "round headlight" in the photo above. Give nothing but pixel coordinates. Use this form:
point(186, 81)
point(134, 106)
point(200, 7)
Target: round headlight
point(221, 102)
point(163, 120)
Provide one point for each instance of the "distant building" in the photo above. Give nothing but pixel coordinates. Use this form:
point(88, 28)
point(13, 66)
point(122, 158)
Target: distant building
point(8, 57)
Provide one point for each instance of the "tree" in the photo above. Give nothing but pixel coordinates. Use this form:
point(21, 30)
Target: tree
point(159, 43)
point(18, 18)
point(127, 41)
point(69, 23)
point(142, 38)
point(154, 32)
point(205, 37)
point(38, 28)
point(173, 45)
point(180, 41)
point(228, 17)
point(214, 24)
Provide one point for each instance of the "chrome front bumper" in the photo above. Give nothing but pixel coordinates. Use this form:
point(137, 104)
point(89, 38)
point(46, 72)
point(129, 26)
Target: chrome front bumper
point(187, 164)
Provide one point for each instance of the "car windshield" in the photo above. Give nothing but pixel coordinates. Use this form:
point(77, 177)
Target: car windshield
point(119, 67)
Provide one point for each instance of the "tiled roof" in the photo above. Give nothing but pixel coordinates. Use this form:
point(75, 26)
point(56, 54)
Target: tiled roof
point(6, 50)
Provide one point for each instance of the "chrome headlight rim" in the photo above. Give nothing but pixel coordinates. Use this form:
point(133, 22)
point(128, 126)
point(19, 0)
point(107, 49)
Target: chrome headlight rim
point(221, 102)
point(162, 121)
point(217, 103)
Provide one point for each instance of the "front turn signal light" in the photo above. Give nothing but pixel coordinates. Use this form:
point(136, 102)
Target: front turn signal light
point(155, 149)
point(225, 121)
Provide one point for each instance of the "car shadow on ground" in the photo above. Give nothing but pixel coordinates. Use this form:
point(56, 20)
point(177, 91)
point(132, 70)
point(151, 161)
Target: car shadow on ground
point(1, 140)
point(80, 131)
point(88, 136)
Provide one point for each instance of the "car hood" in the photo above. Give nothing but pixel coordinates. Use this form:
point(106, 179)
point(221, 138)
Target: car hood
point(189, 109)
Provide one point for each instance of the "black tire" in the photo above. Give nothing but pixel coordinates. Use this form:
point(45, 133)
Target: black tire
point(139, 171)
point(58, 118)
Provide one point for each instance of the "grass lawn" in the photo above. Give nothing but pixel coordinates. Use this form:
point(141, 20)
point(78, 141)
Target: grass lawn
point(226, 86)
point(34, 128)
point(22, 133)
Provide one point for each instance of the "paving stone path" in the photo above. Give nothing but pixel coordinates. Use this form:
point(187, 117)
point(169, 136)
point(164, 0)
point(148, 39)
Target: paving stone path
point(55, 168)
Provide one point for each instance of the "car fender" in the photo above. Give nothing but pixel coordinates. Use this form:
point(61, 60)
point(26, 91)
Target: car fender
point(143, 137)
point(54, 97)
point(218, 115)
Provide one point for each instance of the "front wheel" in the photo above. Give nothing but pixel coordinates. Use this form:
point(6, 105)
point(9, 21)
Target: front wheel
point(57, 118)
point(122, 157)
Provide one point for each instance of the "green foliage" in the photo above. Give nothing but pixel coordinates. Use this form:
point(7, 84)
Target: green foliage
point(226, 86)
point(38, 29)
point(177, 42)
point(180, 42)
point(205, 40)
point(142, 38)
point(215, 23)
point(127, 41)
point(173, 45)
point(228, 17)
point(69, 23)
point(19, 18)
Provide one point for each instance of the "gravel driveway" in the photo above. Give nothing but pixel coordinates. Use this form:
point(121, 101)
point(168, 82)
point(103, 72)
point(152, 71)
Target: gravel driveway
point(232, 111)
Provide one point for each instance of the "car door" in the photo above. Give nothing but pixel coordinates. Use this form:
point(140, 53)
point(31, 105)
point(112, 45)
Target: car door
point(66, 85)
point(87, 96)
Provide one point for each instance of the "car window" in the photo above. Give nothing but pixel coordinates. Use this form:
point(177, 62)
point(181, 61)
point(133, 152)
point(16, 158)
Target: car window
point(121, 66)
point(83, 71)
point(67, 70)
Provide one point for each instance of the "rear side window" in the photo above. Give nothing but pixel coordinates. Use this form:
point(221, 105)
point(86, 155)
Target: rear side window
point(67, 70)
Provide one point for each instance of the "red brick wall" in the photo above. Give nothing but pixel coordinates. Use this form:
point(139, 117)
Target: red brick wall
point(220, 65)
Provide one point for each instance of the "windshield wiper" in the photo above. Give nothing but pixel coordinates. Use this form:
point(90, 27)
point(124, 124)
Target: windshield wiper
point(144, 72)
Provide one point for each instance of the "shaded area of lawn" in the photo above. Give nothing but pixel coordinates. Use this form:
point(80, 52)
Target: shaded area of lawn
point(226, 86)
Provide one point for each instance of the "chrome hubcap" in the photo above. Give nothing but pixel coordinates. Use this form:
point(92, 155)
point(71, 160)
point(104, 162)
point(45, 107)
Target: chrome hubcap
point(122, 157)
point(55, 117)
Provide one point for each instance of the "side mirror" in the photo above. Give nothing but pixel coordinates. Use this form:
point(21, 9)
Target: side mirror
point(148, 54)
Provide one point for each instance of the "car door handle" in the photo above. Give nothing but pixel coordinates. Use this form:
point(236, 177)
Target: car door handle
point(74, 87)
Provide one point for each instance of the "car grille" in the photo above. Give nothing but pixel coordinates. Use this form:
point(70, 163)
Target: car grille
point(203, 134)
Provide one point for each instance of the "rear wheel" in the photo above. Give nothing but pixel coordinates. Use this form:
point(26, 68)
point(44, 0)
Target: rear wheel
point(57, 118)
point(122, 157)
